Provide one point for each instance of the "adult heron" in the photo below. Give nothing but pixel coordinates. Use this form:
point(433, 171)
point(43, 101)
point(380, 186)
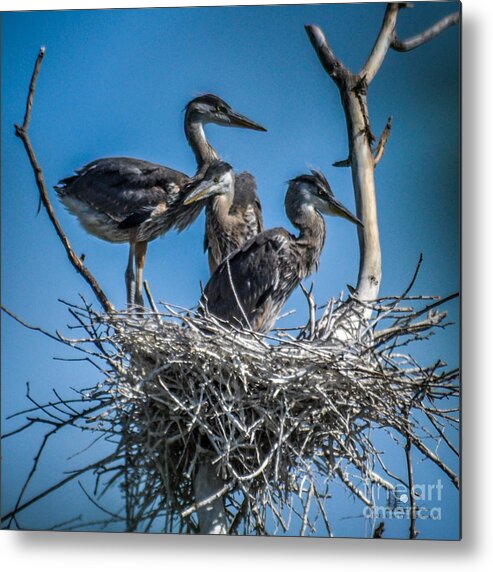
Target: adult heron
point(233, 211)
point(250, 287)
point(121, 199)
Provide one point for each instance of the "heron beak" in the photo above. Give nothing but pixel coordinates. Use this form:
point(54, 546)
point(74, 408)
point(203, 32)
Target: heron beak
point(237, 120)
point(204, 190)
point(338, 209)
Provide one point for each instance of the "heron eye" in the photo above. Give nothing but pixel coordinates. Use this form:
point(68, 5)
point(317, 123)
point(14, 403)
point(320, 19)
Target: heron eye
point(216, 179)
point(320, 193)
point(221, 109)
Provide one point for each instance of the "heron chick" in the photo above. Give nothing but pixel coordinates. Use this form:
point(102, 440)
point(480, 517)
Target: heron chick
point(233, 211)
point(251, 285)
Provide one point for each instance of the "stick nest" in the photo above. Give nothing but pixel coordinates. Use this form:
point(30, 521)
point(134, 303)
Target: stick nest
point(275, 415)
point(278, 418)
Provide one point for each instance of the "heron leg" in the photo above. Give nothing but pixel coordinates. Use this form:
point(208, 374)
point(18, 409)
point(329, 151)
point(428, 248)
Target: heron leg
point(130, 276)
point(140, 257)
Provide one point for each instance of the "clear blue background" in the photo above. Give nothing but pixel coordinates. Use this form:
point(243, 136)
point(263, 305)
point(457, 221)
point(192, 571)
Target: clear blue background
point(115, 82)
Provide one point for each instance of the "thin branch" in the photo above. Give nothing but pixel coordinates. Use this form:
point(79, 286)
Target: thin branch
point(415, 275)
point(343, 163)
point(383, 141)
point(311, 309)
point(420, 39)
point(217, 495)
point(38, 497)
point(240, 515)
point(33, 328)
point(233, 289)
point(32, 88)
point(433, 305)
point(382, 44)
point(149, 297)
point(433, 457)
point(412, 500)
point(21, 131)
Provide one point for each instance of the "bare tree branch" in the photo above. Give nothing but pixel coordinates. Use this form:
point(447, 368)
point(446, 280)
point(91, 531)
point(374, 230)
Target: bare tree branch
point(382, 44)
point(152, 304)
point(383, 141)
point(59, 484)
point(427, 35)
point(342, 163)
point(21, 131)
point(353, 97)
point(413, 533)
point(32, 89)
point(353, 90)
point(330, 63)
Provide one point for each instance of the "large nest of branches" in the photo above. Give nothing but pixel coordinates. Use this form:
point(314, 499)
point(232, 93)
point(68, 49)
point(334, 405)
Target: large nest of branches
point(277, 417)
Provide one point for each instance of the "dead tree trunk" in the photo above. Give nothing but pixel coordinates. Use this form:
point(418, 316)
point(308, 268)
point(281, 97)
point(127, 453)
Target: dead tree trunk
point(209, 500)
point(361, 158)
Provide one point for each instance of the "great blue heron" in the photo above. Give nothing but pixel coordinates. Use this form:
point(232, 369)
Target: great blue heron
point(121, 199)
point(233, 211)
point(250, 286)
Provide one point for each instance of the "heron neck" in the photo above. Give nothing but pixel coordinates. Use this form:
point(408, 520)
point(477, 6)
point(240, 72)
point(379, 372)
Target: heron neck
point(311, 239)
point(219, 208)
point(203, 151)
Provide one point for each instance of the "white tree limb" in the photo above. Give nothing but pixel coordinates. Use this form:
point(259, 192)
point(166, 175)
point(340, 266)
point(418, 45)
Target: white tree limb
point(382, 44)
point(353, 97)
point(333, 66)
point(427, 35)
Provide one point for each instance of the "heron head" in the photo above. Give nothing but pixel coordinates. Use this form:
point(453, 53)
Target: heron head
point(315, 190)
point(218, 179)
point(210, 108)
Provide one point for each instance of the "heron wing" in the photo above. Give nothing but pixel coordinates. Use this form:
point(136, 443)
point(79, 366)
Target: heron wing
point(247, 283)
point(123, 187)
point(137, 217)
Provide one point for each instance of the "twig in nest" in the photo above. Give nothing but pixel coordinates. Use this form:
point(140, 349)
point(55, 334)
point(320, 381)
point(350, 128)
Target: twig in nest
point(150, 299)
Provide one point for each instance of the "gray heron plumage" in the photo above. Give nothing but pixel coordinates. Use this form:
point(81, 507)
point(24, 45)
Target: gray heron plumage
point(233, 210)
point(250, 286)
point(122, 199)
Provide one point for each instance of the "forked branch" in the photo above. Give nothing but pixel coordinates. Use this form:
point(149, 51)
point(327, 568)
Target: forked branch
point(353, 89)
point(382, 44)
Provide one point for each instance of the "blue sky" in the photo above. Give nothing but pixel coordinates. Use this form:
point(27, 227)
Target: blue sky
point(115, 83)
